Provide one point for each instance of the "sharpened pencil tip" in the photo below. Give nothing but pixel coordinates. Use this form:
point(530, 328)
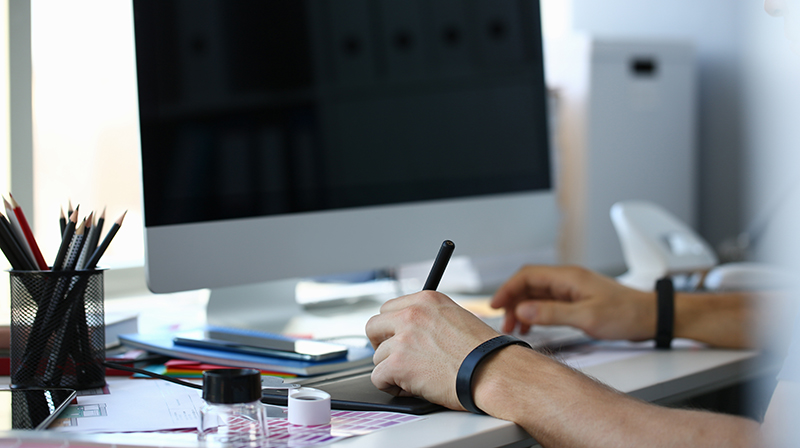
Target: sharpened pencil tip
point(80, 229)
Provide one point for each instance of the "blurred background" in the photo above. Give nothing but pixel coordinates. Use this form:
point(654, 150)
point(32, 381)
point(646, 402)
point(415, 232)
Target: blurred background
point(731, 171)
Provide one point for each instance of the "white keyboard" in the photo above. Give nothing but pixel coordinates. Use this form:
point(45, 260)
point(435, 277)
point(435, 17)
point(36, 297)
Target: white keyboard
point(544, 336)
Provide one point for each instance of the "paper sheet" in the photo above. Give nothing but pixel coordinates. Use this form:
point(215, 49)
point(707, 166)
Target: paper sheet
point(154, 405)
point(602, 352)
point(133, 405)
point(344, 424)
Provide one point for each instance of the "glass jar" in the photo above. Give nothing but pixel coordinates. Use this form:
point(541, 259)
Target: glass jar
point(233, 414)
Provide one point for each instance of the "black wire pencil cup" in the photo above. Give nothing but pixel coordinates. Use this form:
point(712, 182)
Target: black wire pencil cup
point(57, 329)
point(57, 313)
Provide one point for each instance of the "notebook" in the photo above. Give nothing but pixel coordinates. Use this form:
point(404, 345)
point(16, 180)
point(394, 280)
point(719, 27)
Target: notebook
point(163, 344)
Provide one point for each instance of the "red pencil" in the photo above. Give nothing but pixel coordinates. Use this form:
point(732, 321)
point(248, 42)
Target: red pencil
point(26, 230)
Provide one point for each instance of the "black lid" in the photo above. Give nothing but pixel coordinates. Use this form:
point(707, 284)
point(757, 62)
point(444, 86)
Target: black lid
point(231, 385)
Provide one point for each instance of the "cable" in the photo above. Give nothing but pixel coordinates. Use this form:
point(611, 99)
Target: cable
point(113, 365)
point(149, 359)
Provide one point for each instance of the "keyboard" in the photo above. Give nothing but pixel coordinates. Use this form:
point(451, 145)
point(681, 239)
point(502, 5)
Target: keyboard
point(540, 336)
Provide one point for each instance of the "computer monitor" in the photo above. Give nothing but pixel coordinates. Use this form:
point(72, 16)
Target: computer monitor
point(283, 140)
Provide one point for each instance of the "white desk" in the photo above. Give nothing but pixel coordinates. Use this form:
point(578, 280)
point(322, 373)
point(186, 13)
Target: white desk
point(659, 376)
point(656, 376)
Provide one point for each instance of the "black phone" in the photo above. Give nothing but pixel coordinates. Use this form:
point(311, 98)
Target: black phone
point(32, 408)
point(263, 345)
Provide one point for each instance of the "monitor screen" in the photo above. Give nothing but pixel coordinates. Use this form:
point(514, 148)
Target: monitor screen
point(303, 138)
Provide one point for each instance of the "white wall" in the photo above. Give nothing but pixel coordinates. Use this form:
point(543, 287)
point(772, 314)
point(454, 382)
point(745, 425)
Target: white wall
point(748, 110)
point(771, 117)
point(713, 26)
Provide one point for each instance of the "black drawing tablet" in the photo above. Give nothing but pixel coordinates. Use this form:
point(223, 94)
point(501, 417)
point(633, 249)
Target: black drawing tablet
point(357, 393)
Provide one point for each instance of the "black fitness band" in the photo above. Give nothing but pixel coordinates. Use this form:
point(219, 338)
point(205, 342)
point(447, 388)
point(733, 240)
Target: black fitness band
point(467, 370)
point(665, 320)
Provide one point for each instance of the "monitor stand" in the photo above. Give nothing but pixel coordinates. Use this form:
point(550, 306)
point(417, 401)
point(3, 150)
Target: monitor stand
point(263, 306)
point(273, 307)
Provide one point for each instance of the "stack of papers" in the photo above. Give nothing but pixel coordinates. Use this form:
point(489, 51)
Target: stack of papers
point(181, 368)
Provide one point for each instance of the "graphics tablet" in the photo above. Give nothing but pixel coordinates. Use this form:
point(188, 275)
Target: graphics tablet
point(32, 408)
point(354, 391)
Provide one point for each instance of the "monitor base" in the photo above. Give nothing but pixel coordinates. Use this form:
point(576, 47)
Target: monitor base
point(263, 306)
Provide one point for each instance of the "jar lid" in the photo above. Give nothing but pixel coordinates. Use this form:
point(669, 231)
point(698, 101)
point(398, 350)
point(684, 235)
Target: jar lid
point(229, 386)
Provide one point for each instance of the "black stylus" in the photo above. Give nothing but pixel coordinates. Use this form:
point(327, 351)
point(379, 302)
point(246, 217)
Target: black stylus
point(439, 265)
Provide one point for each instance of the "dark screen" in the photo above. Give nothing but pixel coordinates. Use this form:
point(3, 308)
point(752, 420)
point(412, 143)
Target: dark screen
point(31, 408)
point(253, 108)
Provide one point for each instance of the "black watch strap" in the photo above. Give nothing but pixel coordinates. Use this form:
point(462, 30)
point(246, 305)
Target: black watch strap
point(466, 372)
point(665, 322)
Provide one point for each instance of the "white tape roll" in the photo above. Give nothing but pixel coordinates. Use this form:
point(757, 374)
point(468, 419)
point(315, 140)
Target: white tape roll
point(309, 407)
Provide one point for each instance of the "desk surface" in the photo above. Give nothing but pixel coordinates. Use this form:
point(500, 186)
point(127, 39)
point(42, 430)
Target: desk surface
point(656, 376)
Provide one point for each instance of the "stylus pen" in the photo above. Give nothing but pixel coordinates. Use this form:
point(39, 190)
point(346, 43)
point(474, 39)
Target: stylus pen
point(439, 265)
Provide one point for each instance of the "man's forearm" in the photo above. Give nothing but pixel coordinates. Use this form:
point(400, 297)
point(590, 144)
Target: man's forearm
point(722, 320)
point(562, 407)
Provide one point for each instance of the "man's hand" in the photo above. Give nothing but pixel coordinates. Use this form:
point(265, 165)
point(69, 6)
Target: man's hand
point(598, 305)
point(420, 341)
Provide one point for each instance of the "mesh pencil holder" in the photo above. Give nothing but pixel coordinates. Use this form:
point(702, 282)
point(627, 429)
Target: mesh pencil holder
point(57, 329)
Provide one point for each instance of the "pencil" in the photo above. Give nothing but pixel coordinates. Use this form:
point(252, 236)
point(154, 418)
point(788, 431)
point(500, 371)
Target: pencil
point(53, 314)
point(66, 240)
point(26, 230)
point(96, 232)
point(92, 262)
point(17, 232)
point(59, 309)
point(75, 247)
point(86, 251)
point(8, 251)
point(62, 221)
point(439, 265)
point(8, 234)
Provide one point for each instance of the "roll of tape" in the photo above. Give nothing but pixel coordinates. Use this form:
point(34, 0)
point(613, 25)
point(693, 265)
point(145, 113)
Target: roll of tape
point(309, 407)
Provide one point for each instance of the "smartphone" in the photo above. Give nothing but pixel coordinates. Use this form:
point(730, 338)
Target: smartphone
point(263, 345)
point(32, 408)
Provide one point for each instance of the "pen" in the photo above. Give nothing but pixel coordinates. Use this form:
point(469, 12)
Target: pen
point(439, 265)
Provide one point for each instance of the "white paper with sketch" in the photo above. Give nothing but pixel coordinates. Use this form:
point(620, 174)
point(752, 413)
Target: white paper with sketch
point(141, 405)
